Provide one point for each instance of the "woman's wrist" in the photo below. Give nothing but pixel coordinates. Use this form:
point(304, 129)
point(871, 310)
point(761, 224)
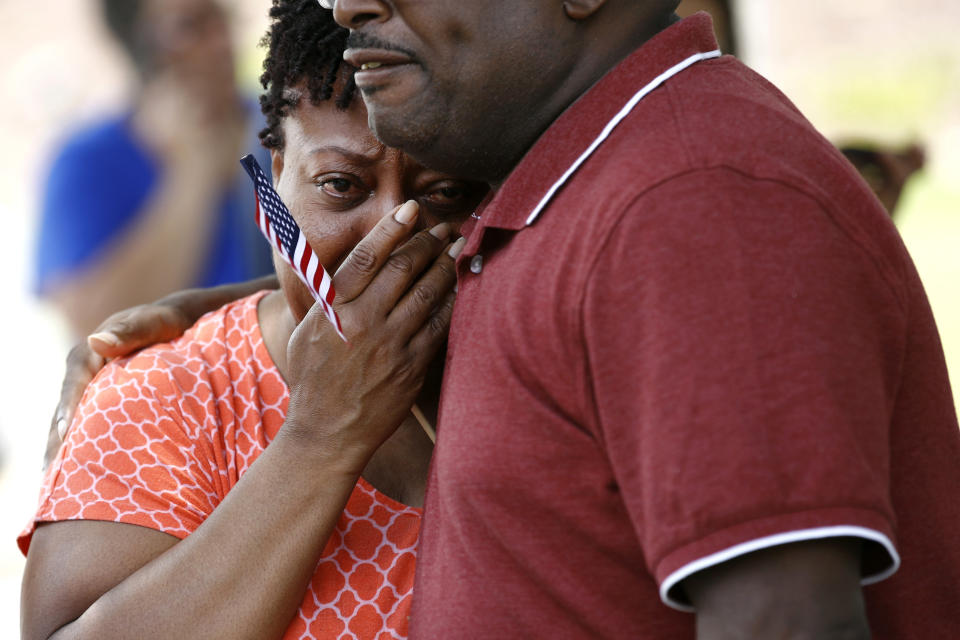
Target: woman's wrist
point(327, 451)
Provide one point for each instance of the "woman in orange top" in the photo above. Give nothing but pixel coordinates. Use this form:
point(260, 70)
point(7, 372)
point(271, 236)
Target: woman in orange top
point(250, 480)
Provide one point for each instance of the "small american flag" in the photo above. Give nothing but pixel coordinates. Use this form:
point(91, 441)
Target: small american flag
point(282, 232)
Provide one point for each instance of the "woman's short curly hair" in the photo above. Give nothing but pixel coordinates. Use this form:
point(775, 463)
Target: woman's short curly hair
point(304, 47)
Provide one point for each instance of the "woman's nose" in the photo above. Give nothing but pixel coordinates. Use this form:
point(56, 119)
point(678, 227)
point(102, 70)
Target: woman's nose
point(383, 203)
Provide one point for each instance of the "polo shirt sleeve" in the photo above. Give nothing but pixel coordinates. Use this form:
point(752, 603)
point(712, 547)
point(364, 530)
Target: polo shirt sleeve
point(132, 455)
point(744, 348)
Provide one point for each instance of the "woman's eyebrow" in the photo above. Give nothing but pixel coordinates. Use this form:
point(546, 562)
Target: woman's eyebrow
point(348, 154)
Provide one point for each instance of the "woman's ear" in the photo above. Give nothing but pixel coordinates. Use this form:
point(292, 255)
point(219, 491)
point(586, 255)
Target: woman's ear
point(276, 166)
point(581, 9)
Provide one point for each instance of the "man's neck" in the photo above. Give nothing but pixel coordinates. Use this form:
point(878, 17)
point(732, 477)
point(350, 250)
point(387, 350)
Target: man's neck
point(590, 69)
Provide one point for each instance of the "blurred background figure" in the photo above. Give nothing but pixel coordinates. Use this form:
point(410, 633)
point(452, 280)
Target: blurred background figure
point(151, 200)
point(885, 168)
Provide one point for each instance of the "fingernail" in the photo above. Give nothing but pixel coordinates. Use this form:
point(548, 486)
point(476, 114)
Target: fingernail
point(105, 337)
point(406, 213)
point(457, 248)
point(441, 231)
point(62, 427)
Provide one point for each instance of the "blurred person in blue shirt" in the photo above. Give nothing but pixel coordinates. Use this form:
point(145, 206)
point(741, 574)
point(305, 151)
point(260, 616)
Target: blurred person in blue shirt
point(151, 200)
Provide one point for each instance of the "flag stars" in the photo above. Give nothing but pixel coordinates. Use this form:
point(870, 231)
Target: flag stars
point(282, 232)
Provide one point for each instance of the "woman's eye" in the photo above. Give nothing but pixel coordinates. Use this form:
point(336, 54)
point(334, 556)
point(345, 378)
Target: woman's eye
point(452, 199)
point(341, 187)
point(449, 196)
point(451, 193)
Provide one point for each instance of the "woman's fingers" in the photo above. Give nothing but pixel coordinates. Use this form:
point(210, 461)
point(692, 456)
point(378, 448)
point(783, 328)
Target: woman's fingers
point(407, 269)
point(434, 330)
point(422, 300)
point(366, 259)
point(380, 271)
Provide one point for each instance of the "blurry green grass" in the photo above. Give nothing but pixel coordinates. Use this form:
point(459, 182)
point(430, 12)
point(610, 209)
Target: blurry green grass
point(929, 221)
point(893, 100)
point(898, 97)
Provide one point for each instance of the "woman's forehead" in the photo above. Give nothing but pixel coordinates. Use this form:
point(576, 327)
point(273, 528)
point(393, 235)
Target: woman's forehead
point(307, 125)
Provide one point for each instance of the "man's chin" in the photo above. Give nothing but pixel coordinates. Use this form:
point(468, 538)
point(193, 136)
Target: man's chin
point(395, 129)
point(409, 121)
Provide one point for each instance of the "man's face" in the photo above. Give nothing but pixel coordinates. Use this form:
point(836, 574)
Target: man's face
point(338, 181)
point(458, 85)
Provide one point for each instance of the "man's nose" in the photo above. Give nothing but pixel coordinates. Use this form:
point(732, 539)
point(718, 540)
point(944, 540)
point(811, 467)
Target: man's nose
point(353, 14)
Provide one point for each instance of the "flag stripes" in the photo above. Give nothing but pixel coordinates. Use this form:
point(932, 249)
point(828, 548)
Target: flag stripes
point(283, 233)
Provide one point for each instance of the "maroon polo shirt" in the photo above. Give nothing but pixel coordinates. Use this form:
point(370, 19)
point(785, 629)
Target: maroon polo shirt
point(711, 341)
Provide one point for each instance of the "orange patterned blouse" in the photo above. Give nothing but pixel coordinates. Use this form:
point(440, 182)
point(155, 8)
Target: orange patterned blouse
point(161, 437)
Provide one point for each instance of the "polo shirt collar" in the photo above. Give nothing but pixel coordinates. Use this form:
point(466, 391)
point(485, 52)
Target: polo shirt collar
point(583, 121)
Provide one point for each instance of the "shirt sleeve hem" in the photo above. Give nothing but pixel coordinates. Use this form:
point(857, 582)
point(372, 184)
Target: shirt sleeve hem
point(25, 537)
point(878, 535)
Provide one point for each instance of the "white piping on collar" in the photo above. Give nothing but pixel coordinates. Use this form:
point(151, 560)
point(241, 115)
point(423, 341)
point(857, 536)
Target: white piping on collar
point(627, 108)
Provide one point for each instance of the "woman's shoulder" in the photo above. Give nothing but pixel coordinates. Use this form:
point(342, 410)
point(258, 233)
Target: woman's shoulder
point(232, 331)
point(221, 355)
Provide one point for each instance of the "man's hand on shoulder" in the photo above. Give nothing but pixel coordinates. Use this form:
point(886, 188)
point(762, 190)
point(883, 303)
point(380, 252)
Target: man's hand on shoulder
point(809, 590)
point(126, 331)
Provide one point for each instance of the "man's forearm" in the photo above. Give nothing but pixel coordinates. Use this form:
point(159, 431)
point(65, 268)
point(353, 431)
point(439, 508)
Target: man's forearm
point(193, 303)
point(802, 591)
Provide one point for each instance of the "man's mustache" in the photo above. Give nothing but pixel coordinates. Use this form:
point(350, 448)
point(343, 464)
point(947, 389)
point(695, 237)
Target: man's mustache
point(357, 40)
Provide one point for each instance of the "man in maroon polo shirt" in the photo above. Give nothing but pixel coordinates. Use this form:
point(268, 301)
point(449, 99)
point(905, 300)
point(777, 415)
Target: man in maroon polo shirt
point(692, 367)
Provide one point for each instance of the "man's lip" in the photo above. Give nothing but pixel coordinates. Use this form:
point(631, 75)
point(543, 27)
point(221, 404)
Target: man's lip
point(377, 77)
point(360, 57)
